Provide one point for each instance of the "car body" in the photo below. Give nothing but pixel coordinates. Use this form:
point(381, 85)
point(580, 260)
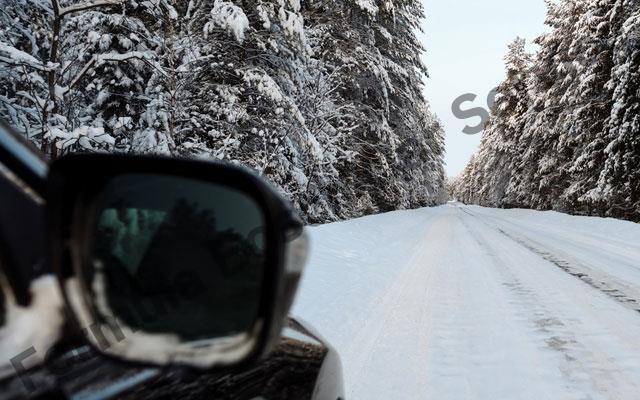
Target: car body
point(302, 365)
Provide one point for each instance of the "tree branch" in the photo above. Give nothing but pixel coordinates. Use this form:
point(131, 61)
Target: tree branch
point(111, 57)
point(88, 5)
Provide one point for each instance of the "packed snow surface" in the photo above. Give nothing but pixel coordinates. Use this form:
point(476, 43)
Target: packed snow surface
point(460, 302)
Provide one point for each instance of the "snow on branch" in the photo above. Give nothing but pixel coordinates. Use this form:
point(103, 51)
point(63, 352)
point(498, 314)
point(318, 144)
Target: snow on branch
point(117, 57)
point(19, 57)
point(264, 83)
point(87, 6)
point(85, 136)
point(229, 17)
point(369, 6)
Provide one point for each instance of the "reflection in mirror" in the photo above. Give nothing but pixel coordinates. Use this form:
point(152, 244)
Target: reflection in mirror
point(177, 256)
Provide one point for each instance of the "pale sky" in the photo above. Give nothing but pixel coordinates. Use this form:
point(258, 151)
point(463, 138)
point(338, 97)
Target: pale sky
point(466, 41)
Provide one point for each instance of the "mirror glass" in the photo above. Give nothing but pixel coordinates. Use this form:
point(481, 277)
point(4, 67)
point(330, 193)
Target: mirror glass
point(177, 255)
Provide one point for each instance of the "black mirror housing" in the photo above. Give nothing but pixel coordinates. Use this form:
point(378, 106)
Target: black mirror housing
point(83, 191)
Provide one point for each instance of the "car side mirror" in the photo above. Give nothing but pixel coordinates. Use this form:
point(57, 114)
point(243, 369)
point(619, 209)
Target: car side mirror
point(168, 261)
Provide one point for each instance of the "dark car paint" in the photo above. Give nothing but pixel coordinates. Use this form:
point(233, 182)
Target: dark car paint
point(22, 237)
point(302, 366)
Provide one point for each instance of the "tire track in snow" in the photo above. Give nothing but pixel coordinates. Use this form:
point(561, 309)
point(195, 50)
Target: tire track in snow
point(588, 361)
point(605, 283)
point(400, 313)
point(419, 309)
point(543, 321)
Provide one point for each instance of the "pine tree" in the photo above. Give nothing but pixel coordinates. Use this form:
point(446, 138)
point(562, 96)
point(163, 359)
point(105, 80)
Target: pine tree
point(577, 146)
point(618, 186)
point(24, 47)
point(501, 140)
point(322, 98)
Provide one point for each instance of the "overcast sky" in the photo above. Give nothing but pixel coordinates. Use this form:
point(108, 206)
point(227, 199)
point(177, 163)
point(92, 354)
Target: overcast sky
point(466, 41)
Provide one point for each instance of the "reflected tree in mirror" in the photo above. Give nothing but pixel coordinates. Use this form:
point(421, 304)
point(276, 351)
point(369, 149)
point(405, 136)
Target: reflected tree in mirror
point(176, 255)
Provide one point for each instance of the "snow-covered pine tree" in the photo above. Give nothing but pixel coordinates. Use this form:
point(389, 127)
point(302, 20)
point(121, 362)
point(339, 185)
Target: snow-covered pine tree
point(578, 148)
point(586, 110)
point(418, 169)
point(54, 57)
point(250, 72)
point(371, 52)
point(466, 189)
point(332, 112)
point(117, 53)
point(553, 73)
point(490, 178)
point(343, 39)
point(500, 147)
point(618, 187)
point(24, 47)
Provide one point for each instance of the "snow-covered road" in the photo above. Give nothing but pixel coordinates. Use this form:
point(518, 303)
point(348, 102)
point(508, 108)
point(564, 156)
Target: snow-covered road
point(460, 302)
